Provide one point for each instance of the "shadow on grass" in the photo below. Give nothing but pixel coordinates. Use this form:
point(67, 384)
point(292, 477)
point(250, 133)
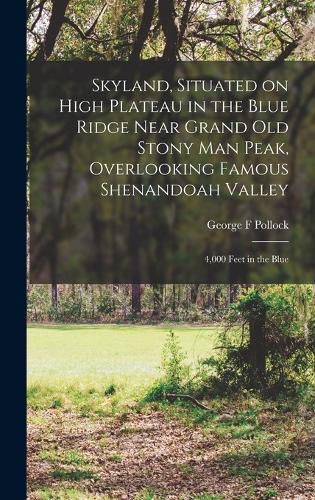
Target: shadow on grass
point(73, 475)
point(255, 464)
point(73, 327)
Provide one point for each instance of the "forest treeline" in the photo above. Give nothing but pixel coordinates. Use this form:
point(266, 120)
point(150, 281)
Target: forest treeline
point(144, 302)
point(104, 303)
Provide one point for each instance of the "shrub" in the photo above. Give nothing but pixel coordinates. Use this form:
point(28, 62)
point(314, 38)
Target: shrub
point(174, 371)
point(173, 361)
point(106, 304)
point(110, 390)
point(38, 304)
point(281, 346)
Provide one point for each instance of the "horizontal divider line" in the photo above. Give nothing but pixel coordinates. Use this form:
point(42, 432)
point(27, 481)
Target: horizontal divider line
point(270, 241)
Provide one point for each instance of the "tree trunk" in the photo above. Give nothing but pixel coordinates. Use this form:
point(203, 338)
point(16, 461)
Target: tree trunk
point(157, 299)
point(169, 23)
point(144, 30)
point(136, 299)
point(54, 295)
point(233, 293)
point(194, 293)
point(257, 346)
point(174, 298)
point(217, 296)
point(55, 23)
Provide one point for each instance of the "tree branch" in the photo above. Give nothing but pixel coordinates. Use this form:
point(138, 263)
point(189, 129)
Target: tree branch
point(184, 22)
point(189, 398)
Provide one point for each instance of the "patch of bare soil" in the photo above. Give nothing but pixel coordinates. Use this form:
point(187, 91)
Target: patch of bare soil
point(122, 456)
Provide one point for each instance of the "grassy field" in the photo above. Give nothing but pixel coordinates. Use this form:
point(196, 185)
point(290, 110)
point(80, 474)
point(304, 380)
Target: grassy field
point(84, 360)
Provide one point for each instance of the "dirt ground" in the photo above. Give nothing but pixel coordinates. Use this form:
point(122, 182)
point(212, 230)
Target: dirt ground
point(120, 457)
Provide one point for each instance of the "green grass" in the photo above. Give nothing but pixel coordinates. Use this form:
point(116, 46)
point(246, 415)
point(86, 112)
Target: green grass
point(94, 367)
point(70, 457)
point(185, 469)
point(110, 350)
point(72, 475)
point(242, 426)
point(256, 463)
point(66, 494)
point(115, 457)
point(269, 493)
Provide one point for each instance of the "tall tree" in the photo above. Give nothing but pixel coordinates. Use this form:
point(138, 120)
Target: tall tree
point(169, 23)
point(136, 299)
point(54, 295)
point(157, 299)
point(144, 29)
point(257, 338)
point(55, 23)
point(194, 293)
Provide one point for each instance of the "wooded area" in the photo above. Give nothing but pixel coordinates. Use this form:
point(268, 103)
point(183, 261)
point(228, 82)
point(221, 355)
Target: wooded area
point(138, 302)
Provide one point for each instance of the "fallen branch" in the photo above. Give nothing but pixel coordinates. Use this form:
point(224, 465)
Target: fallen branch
point(189, 398)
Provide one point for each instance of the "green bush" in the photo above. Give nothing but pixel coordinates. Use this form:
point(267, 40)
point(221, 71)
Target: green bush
point(173, 361)
point(38, 303)
point(110, 390)
point(288, 350)
point(174, 371)
point(159, 391)
point(106, 304)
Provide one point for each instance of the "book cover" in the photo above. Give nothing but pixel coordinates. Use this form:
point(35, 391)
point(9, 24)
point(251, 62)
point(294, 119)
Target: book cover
point(170, 244)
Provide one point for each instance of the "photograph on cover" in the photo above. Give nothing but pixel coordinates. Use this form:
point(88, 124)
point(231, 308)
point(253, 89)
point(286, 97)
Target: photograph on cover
point(170, 250)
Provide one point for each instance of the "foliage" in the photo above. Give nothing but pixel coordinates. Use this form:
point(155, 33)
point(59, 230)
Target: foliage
point(175, 372)
point(105, 305)
point(97, 303)
point(311, 334)
point(39, 303)
point(110, 390)
point(173, 360)
point(288, 350)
